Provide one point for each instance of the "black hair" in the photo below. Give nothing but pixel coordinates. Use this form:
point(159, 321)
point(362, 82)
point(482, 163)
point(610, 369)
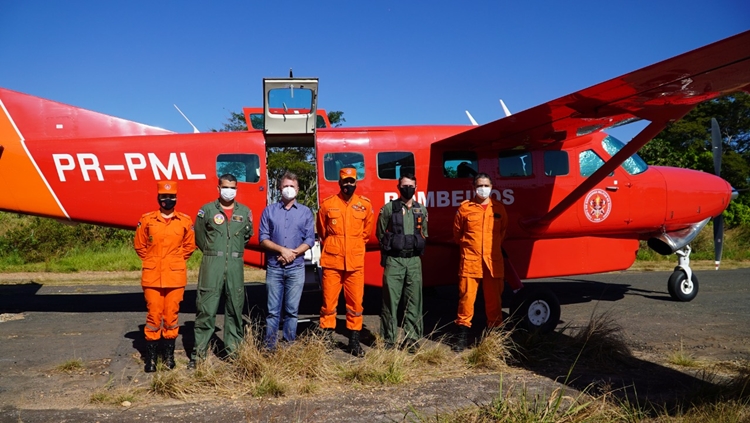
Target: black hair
point(227, 177)
point(482, 175)
point(407, 176)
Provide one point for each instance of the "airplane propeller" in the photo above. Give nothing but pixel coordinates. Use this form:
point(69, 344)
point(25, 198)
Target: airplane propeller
point(718, 220)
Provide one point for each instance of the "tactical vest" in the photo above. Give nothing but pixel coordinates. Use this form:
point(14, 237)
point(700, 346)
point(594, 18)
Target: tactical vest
point(395, 242)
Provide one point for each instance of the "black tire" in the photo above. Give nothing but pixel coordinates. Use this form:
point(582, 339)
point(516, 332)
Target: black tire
point(680, 289)
point(536, 310)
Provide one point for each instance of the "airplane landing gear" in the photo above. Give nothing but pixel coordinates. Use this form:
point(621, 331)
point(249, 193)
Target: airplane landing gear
point(683, 284)
point(537, 310)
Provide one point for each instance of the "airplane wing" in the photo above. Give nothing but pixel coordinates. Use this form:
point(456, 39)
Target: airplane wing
point(663, 92)
point(39, 119)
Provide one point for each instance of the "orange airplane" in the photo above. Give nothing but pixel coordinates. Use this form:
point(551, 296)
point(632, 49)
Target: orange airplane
point(579, 201)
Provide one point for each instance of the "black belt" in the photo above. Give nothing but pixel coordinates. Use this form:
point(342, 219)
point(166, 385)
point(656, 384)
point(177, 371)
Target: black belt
point(401, 254)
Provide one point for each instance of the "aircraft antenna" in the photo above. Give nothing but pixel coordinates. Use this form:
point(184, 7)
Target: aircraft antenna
point(195, 130)
point(471, 118)
point(505, 109)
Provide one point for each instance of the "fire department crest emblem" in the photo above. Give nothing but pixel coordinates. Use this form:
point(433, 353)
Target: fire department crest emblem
point(597, 205)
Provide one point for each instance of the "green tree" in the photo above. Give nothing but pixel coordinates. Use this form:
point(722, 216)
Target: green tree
point(336, 118)
point(687, 143)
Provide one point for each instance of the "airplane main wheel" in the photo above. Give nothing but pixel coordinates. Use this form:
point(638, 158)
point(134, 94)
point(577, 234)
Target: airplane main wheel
point(681, 288)
point(537, 310)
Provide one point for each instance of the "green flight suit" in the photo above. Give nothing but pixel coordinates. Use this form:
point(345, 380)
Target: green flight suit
point(402, 276)
point(222, 272)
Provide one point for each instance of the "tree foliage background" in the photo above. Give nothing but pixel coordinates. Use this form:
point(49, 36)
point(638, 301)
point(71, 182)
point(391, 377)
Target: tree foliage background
point(687, 143)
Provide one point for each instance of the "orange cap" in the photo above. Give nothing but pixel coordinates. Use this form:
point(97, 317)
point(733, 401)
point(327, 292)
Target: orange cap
point(348, 172)
point(166, 187)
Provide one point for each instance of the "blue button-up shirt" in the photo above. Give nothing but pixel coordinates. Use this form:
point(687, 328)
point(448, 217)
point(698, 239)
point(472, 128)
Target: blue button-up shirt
point(287, 228)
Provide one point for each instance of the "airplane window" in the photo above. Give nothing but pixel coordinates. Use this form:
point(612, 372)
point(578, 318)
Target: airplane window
point(333, 162)
point(589, 162)
point(320, 122)
point(633, 165)
point(391, 165)
point(460, 164)
point(515, 164)
point(288, 100)
point(257, 120)
point(244, 167)
point(556, 163)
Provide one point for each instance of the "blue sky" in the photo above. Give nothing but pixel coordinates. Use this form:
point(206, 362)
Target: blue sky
point(380, 62)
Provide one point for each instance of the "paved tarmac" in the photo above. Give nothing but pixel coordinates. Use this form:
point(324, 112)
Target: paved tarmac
point(44, 326)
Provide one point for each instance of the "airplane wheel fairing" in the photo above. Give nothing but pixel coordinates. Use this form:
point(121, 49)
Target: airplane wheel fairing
point(680, 288)
point(537, 310)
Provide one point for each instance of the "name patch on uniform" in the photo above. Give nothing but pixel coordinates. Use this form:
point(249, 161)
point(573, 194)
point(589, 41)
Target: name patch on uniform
point(219, 218)
point(201, 213)
point(238, 218)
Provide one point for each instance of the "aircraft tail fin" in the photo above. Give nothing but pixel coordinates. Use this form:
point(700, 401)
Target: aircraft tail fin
point(37, 118)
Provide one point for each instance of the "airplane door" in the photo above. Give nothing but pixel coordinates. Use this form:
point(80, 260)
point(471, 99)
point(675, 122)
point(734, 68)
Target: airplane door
point(290, 111)
point(607, 207)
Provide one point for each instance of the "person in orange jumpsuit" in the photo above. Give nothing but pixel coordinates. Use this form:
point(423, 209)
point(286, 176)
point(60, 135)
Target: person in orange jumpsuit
point(479, 228)
point(344, 226)
point(164, 240)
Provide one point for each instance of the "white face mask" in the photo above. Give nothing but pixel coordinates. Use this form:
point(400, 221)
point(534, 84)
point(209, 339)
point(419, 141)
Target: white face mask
point(227, 194)
point(483, 192)
point(288, 193)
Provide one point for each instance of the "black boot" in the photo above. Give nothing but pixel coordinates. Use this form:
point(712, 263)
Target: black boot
point(151, 347)
point(327, 337)
point(169, 353)
point(461, 339)
point(355, 348)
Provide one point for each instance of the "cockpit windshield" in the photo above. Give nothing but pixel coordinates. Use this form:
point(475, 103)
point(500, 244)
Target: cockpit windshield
point(633, 165)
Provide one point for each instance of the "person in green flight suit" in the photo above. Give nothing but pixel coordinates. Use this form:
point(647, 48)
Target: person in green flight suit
point(222, 228)
point(402, 229)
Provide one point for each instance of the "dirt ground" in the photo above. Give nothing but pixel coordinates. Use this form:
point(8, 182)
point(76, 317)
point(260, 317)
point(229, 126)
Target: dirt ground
point(48, 319)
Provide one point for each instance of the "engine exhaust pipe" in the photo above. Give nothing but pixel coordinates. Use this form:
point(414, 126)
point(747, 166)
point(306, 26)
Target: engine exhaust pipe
point(667, 243)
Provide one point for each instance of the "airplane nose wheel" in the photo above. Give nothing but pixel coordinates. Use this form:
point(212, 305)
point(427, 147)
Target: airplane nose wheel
point(536, 310)
point(681, 288)
point(683, 284)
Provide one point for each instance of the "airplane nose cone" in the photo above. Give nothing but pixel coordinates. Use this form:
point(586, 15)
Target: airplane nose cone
point(693, 195)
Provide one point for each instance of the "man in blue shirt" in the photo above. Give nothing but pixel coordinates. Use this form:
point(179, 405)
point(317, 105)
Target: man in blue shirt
point(286, 232)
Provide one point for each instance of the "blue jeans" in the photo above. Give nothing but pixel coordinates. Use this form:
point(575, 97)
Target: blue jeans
point(284, 287)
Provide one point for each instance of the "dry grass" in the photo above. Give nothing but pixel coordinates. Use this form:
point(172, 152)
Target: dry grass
point(305, 367)
point(601, 342)
point(494, 351)
point(681, 358)
point(71, 366)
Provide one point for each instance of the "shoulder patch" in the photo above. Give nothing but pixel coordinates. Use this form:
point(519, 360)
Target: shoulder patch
point(201, 213)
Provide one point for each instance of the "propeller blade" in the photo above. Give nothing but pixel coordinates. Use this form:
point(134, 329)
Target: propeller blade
point(718, 239)
point(716, 143)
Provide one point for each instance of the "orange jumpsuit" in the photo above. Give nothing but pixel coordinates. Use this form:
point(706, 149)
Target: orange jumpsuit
point(164, 246)
point(479, 233)
point(343, 228)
